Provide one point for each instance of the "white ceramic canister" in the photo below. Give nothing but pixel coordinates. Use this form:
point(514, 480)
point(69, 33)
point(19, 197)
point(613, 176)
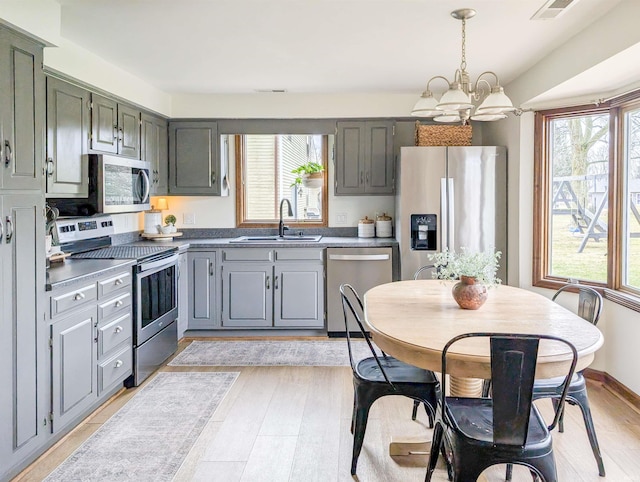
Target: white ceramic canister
point(383, 226)
point(366, 228)
point(152, 219)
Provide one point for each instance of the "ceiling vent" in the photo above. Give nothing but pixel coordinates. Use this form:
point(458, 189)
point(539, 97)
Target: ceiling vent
point(552, 9)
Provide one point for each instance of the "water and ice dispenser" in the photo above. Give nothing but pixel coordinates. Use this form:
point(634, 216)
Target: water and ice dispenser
point(424, 232)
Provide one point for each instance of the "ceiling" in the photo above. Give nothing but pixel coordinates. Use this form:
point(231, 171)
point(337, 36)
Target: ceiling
point(316, 46)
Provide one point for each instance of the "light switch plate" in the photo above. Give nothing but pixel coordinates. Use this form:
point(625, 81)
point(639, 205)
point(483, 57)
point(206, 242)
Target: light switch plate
point(189, 218)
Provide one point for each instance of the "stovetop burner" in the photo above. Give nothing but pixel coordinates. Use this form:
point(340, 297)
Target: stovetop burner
point(123, 252)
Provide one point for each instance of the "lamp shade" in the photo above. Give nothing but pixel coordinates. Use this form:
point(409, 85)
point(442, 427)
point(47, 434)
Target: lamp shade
point(454, 99)
point(488, 117)
point(448, 116)
point(426, 106)
point(162, 204)
point(496, 102)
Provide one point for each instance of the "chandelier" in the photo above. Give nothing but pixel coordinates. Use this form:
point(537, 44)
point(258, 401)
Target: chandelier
point(457, 104)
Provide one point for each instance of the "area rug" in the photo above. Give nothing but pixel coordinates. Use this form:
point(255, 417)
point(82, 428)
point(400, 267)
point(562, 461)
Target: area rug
point(149, 437)
point(270, 353)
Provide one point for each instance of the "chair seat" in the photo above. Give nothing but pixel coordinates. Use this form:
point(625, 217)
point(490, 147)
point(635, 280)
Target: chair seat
point(473, 417)
point(396, 370)
point(549, 386)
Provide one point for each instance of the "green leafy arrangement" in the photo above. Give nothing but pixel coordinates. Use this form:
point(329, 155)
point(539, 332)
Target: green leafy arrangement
point(170, 219)
point(450, 265)
point(307, 168)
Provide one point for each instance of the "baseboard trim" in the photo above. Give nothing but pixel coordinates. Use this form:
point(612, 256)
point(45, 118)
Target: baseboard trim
point(614, 386)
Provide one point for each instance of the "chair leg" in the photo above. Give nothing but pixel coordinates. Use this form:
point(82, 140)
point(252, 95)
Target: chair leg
point(429, 414)
point(555, 403)
point(436, 446)
point(362, 414)
point(546, 468)
point(414, 414)
point(509, 473)
point(582, 400)
point(353, 415)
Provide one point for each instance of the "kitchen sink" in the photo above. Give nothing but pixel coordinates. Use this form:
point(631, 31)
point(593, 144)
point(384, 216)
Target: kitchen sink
point(276, 239)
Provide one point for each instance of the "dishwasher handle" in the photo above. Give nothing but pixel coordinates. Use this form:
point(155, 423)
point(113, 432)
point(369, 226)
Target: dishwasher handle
point(359, 257)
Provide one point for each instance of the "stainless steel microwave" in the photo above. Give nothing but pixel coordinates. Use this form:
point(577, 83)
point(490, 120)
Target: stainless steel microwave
point(116, 185)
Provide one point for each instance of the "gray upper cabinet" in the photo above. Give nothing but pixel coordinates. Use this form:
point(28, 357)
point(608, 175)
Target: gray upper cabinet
point(364, 158)
point(194, 159)
point(68, 124)
point(155, 149)
point(115, 128)
point(22, 112)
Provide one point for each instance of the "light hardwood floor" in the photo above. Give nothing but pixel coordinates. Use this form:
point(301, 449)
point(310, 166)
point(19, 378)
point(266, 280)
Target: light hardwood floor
point(292, 424)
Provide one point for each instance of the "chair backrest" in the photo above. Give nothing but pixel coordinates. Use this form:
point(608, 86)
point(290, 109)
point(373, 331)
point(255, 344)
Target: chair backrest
point(513, 365)
point(352, 307)
point(418, 273)
point(589, 301)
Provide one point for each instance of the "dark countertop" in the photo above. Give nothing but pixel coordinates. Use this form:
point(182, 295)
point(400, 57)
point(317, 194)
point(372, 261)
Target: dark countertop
point(75, 271)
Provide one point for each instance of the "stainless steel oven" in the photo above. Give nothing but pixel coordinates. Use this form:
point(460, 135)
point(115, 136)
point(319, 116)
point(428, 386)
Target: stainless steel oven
point(155, 314)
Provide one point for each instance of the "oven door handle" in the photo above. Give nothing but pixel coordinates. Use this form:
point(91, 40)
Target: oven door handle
point(168, 261)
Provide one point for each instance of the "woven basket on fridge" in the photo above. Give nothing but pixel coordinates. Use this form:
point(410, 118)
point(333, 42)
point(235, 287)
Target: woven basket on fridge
point(434, 135)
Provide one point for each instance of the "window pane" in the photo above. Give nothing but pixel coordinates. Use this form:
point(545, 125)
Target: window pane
point(631, 227)
point(267, 165)
point(579, 166)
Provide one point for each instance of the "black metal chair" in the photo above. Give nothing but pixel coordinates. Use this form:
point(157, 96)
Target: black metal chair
point(589, 308)
point(508, 428)
point(378, 376)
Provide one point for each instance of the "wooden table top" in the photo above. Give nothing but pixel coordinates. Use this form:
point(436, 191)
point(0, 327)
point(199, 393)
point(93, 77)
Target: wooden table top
point(413, 320)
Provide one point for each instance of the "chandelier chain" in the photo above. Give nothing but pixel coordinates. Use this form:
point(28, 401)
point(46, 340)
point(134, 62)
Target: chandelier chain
point(463, 63)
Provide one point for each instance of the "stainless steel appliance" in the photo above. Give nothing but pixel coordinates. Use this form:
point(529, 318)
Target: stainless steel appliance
point(116, 185)
point(155, 275)
point(450, 197)
point(362, 268)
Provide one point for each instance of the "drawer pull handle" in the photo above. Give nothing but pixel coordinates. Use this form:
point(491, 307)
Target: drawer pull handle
point(117, 329)
point(79, 296)
point(118, 282)
point(118, 364)
point(119, 303)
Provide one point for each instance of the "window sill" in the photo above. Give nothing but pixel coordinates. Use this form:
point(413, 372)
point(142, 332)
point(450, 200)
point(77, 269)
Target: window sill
point(628, 300)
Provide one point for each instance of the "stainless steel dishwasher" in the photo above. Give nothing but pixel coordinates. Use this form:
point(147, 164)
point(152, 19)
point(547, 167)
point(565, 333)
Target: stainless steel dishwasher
point(362, 268)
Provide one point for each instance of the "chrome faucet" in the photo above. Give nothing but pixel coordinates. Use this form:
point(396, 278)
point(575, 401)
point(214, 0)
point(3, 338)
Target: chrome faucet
point(281, 226)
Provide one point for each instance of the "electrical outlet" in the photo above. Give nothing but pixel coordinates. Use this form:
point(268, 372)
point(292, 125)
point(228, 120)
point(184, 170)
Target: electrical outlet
point(189, 218)
point(341, 218)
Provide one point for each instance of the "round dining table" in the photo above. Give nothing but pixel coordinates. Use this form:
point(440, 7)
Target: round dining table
point(413, 321)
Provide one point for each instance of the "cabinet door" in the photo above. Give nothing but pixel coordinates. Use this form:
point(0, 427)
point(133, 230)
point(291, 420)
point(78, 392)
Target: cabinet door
point(247, 296)
point(73, 371)
point(22, 112)
point(68, 126)
point(128, 131)
point(299, 295)
point(183, 294)
point(378, 152)
point(104, 124)
point(155, 149)
point(194, 158)
point(350, 160)
point(202, 291)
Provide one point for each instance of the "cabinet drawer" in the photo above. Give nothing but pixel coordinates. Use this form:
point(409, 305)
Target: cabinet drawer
point(115, 369)
point(311, 254)
point(247, 254)
point(69, 301)
point(113, 333)
point(117, 282)
point(113, 306)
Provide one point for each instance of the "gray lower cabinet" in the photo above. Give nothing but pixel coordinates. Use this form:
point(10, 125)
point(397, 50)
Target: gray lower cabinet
point(23, 349)
point(194, 158)
point(91, 333)
point(265, 288)
point(68, 124)
point(22, 111)
point(155, 149)
point(183, 294)
point(115, 127)
point(202, 304)
point(364, 158)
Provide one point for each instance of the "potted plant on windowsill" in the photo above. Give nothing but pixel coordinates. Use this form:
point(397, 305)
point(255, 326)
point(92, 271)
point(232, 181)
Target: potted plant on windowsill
point(309, 175)
point(476, 273)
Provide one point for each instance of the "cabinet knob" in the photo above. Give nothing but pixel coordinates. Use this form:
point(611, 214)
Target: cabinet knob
point(119, 303)
point(8, 153)
point(79, 296)
point(275, 283)
point(118, 282)
point(117, 329)
point(268, 282)
point(49, 167)
point(118, 364)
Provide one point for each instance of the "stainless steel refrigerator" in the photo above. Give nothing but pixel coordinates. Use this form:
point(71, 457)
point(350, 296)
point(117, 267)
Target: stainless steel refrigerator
point(450, 197)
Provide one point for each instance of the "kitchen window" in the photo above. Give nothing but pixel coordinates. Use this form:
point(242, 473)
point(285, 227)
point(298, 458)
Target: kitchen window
point(587, 198)
point(265, 163)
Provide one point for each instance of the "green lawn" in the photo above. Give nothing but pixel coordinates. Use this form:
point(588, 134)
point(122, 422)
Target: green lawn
point(591, 264)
